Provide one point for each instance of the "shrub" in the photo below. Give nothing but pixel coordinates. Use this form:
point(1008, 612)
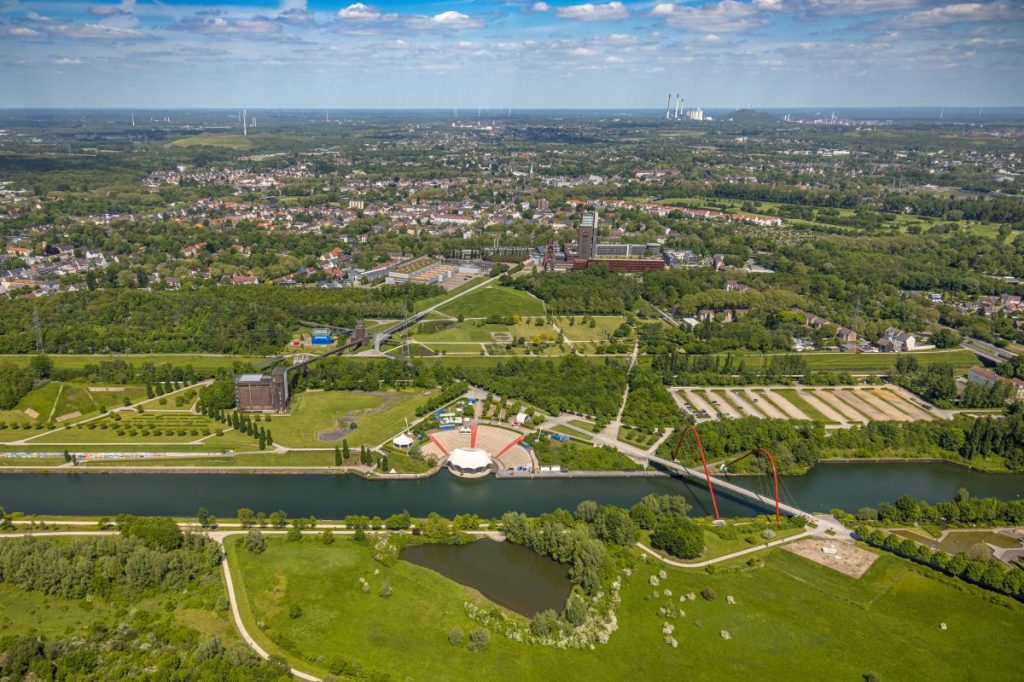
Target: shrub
point(385, 589)
point(295, 611)
point(679, 536)
point(708, 594)
point(479, 639)
point(294, 534)
point(456, 637)
point(327, 537)
point(254, 541)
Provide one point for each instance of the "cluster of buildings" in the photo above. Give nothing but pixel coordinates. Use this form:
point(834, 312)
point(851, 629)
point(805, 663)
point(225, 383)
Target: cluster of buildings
point(41, 274)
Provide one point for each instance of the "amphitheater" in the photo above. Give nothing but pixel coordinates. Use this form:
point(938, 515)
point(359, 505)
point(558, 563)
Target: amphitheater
point(484, 450)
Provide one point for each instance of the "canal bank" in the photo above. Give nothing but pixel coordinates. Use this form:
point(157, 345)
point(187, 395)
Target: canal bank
point(828, 486)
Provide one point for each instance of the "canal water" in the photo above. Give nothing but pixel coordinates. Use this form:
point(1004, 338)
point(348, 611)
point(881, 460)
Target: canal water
point(847, 486)
point(510, 575)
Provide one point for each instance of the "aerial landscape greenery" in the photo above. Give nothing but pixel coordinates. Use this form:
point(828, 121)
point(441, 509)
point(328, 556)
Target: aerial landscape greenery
point(606, 396)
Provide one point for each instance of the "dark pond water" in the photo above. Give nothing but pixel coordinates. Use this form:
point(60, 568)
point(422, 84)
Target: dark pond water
point(848, 486)
point(507, 574)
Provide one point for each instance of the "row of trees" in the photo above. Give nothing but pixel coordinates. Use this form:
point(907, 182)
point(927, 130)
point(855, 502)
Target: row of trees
point(988, 573)
point(962, 510)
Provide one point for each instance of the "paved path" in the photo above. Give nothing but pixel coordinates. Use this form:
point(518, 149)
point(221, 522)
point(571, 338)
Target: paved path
point(726, 557)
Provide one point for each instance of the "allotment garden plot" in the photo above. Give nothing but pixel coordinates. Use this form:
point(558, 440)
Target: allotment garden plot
point(838, 406)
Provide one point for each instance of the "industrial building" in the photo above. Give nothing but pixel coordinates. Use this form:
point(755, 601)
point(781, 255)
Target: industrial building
point(263, 392)
point(587, 242)
point(270, 392)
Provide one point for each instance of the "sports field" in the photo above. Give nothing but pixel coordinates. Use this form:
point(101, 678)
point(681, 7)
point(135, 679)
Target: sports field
point(788, 617)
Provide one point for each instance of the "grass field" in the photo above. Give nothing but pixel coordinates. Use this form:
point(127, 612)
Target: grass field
point(572, 433)
point(477, 331)
point(868, 363)
point(378, 416)
point(580, 456)
point(425, 303)
point(252, 459)
point(223, 140)
point(494, 300)
point(602, 329)
point(788, 621)
point(198, 361)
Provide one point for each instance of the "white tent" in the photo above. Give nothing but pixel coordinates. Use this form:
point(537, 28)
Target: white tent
point(402, 440)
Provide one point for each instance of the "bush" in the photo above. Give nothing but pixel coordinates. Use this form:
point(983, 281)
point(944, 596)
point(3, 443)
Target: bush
point(327, 537)
point(295, 611)
point(385, 589)
point(456, 637)
point(479, 639)
point(254, 541)
point(680, 536)
point(708, 594)
point(294, 534)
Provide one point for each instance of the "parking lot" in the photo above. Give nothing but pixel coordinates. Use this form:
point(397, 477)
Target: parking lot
point(833, 405)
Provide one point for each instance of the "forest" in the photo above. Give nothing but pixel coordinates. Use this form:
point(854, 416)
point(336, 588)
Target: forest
point(594, 291)
point(244, 320)
point(797, 445)
point(569, 384)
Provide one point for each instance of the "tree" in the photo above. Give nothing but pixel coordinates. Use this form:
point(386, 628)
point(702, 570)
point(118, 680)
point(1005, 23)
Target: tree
point(246, 517)
point(436, 528)
point(708, 594)
point(294, 534)
point(344, 449)
point(398, 521)
point(385, 589)
point(456, 637)
point(204, 517)
point(575, 610)
point(41, 366)
point(337, 457)
point(159, 532)
point(327, 537)
point(254, 541)
point(679, 536)
point(278, 519)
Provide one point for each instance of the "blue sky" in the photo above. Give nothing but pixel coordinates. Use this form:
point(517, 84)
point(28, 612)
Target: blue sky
point(507, 53)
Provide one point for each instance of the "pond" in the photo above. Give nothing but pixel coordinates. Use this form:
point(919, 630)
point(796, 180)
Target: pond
point(507, 574)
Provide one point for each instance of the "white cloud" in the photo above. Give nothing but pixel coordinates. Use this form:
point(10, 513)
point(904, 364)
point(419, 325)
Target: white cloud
point(855, 7)
point(583, 52)
point(66, 61)
point(961, 13)
point(726, 16)
point(359, 12)
point(591, 12)
point(613, 59)
point(540, 7)
point(450, 20)
point(712, 38)
point(23, 31)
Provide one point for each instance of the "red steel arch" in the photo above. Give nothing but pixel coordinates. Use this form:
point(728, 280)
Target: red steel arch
point(775, 474)
point(703, 459)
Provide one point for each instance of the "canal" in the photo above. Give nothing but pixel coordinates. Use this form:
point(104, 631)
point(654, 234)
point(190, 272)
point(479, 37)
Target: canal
point(847, 486)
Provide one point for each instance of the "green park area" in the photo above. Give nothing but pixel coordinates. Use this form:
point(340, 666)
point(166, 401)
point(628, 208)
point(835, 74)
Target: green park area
point(787, 613)
point(150, 427)
point(585, 328)
point(576, 455)
point(318, 419)
point(494, 300)
point(58, 401)
point(205, 362)
point(867, 363)
point(481, 332)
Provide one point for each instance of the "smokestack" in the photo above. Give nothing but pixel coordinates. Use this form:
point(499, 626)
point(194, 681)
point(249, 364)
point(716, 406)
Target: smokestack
point(677, 105)
point(245, 123)
point(668, 107)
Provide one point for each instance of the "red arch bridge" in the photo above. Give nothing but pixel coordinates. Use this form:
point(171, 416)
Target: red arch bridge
point(713, 483)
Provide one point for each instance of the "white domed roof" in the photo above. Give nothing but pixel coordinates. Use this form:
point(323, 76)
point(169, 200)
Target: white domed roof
point(469, 459)
point(402, 440)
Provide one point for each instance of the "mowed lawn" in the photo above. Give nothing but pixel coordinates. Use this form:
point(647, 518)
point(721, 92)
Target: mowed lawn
point(494, 300)
point(867, 363)
point(582, 331)
point(378, 416)
point(479, 332)
point(792, 619)
point(198, 361)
